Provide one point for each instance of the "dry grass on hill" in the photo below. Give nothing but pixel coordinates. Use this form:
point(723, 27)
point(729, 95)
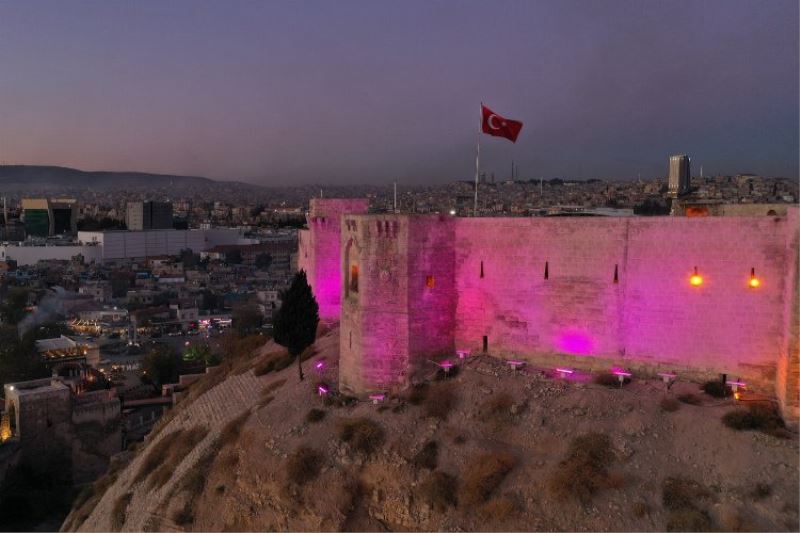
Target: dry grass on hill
point(161, 460)
point(482, 475)
point(486, 449)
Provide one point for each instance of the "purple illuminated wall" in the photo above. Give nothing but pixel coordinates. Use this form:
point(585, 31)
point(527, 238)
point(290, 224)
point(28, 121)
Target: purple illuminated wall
point(651, 319)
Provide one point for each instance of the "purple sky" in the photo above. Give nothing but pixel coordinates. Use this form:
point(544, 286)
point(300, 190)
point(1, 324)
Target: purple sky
point(368, 92)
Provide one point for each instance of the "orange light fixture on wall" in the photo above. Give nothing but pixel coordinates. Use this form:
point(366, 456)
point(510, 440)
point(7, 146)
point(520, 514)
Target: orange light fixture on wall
point(696, 280)
point(754, 281)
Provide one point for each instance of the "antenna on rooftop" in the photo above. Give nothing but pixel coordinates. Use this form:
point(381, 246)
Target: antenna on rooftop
point(394, 209)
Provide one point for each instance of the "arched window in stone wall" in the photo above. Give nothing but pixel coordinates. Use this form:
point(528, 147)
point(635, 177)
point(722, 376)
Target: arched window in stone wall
point(351, 271)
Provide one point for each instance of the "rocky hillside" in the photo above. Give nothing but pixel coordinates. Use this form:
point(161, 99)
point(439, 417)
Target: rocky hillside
point(485, 448)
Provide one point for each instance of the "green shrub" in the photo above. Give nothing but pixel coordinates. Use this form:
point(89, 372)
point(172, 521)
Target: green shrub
point(184, 515)
point(441, 375)
point(757, 417)
point(362, 434)
point(303, 465)
point(497, 406)
point(682, 498)
point(640, 509)
point(440, 400)
point(689, 520)
point(610, 380)
point(427, 456)
point(678, 493)
point(670, 405)
point(439, 491)
point(315, 415)
point(483, 475)
point(417, 394)
point(761, 491)
point(497, 510)
point(690, 399)
point(717, 389)
point(584, 471)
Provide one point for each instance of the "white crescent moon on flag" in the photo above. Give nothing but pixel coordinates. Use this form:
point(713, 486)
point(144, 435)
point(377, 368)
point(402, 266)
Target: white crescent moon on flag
point(489, 122)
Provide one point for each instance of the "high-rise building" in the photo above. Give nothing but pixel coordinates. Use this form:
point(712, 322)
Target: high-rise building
point(148, 215)
point(44, 217)
point(680, 175)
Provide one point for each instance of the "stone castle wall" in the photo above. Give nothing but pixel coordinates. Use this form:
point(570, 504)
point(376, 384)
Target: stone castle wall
point(431, 284)
point(320, 252)
point(652, 317)
point(428, 285)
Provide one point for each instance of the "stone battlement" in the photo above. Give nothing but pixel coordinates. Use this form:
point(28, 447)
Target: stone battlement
point(590, 292)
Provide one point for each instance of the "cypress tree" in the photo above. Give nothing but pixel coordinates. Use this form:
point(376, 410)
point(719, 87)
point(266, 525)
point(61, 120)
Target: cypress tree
point(296, 321)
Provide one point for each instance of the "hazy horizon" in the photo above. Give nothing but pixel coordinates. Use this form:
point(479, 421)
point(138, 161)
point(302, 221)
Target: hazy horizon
point(347, 93)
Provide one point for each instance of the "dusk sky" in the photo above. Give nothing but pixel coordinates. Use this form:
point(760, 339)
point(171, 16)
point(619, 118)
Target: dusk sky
point(281, 93)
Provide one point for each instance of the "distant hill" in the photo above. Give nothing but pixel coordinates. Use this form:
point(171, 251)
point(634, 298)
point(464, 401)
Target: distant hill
point(24, 177)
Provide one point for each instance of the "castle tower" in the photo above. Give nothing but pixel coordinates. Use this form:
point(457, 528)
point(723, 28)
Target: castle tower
point(320, 252)
point(398, 299)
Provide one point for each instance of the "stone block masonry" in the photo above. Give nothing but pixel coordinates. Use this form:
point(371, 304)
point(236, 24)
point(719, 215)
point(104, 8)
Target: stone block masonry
point(320, 251)
point(587, 292)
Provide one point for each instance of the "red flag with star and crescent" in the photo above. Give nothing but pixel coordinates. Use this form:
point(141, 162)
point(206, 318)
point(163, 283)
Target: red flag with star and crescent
point(497, 126)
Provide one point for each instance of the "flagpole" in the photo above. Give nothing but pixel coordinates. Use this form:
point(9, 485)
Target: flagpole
point(478, 159)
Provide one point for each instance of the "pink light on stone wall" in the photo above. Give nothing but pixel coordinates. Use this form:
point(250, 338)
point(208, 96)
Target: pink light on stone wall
point(576, 342)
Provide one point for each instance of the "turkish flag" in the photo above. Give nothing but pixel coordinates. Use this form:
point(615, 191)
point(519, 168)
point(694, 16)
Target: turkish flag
point(497, 126)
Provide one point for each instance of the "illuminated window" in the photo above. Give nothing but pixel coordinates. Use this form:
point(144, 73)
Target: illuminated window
point(430, 281)
point(354, 278)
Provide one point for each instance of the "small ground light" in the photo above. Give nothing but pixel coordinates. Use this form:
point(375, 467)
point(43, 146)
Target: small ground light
point(734, 385)
point(446, 365)
point(453, 212)
point(462, 354)
point(696, 278)
point(621, 375)
point(379, 397)
point(667, 377)
point(322, 390)
point(565, 372)
point(515, 364)
point(319, 365)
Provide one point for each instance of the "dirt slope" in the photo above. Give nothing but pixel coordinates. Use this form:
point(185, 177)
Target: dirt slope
point(501, 441)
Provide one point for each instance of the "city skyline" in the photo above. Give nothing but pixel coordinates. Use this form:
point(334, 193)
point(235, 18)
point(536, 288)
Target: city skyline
point(361, 93)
